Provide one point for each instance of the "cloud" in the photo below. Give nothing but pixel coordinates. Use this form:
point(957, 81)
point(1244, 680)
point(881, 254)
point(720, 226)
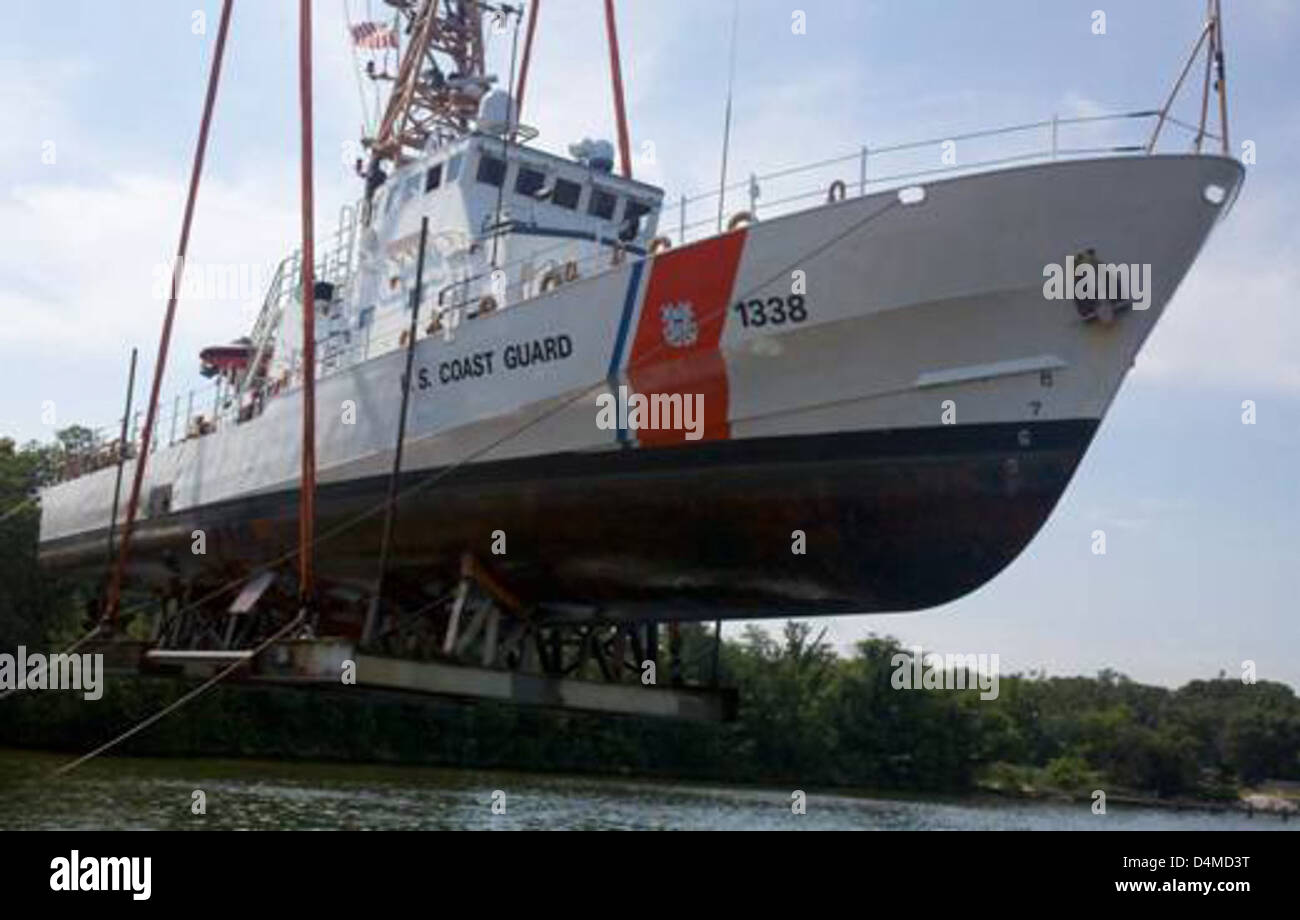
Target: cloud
point(87, 264)
point(1233, 323)
point(32, 113)
point(84, 279)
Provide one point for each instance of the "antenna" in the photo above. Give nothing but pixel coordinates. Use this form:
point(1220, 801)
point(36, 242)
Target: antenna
point(1221, 74)
point(508, 137)
point(726, 129)
point(432, 97)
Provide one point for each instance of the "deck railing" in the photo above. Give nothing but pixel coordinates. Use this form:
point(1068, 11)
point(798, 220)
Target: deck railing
point(875, 167)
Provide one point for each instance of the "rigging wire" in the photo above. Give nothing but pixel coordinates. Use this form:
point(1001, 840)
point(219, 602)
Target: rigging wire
point(374, 84)
point(172, 707)
point(121, 457)
point(29, 500)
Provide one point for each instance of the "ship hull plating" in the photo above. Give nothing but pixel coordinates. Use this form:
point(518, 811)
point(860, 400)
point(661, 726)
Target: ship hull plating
point(886, 378)
point(855, 523)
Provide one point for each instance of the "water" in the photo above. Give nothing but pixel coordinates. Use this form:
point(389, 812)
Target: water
point(134, 793)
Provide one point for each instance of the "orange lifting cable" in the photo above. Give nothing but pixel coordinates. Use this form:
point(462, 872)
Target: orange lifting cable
point(307, 489)
point(616, 69)
point(533, 13)
point(214, 77)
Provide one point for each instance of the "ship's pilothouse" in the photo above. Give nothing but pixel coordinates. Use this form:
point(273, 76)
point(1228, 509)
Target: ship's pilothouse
point(507, 223)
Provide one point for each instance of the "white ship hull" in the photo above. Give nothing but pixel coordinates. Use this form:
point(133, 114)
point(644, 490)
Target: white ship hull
point(917, 412)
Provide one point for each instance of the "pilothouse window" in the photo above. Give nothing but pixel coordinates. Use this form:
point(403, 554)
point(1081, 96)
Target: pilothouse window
point(491, 170)
point(602, 204)
point(566, 194)
point(530, 181)
point(633, 211)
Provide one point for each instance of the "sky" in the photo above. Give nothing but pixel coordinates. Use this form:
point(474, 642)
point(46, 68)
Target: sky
point(99, 109)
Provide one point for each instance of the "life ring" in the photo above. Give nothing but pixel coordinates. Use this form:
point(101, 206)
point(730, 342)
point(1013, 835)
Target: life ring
point(740, 219)
point(551, 280)
point(660, 244)
point(570, 271)
point(619, 256)
point(838, 191)
point(405, 337)
point(486, 304)
point(435, 324)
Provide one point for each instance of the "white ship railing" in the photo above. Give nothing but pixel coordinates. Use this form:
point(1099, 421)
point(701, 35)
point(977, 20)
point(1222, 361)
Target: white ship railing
point(875, 167)
point(686, 220)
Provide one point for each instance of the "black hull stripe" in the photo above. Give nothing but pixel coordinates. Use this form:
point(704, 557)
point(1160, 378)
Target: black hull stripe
point(895, 520)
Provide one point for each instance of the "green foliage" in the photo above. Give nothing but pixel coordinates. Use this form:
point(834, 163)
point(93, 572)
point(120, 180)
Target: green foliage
point(1010, 778)
point(807, 716)
point(785, 726)
point(1071, 774)
point(32, 605)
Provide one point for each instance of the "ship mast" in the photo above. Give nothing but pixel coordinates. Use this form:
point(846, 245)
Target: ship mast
point(439, 81)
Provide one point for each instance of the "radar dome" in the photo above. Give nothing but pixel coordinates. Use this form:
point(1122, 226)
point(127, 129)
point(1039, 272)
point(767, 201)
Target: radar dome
point(599, 155)
point(497, 112)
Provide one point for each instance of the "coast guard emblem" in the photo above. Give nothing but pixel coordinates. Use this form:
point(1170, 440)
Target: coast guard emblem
point(680, 328)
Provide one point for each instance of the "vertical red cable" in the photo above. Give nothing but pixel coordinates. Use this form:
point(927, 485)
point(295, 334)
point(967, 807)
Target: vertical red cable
point(533, 13)
point(307, 491)
point(164, 343)
point(617, 68)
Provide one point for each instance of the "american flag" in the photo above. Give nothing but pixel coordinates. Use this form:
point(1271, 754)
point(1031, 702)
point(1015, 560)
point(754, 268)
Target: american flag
point(374, 35)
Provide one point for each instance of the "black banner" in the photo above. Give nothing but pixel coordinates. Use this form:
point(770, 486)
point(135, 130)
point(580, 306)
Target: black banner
point(329, 870)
